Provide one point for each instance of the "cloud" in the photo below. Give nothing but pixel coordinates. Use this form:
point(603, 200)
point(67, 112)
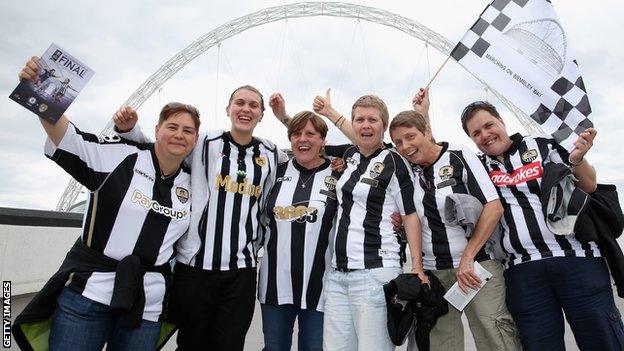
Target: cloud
point(125, 42)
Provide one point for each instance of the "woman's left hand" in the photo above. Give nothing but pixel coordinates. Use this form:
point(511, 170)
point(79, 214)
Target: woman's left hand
point(582, 145)
point(423, 277)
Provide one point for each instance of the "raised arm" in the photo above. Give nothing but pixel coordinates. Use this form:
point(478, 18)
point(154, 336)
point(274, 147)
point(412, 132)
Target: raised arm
point(322, 106)
point(421, 103)
point(125, 120)
point(582, 169)
point(278, 105)
point(55, 131)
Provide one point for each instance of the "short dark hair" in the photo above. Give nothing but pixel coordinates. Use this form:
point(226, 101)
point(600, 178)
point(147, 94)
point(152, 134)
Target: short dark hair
point(409, 119)
point(250, 88)
point(473, 108)
point(299, 121)
point(172, 108)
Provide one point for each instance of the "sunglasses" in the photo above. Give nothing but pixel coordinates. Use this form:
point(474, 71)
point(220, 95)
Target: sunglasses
point(472, 106)
point(425, 183)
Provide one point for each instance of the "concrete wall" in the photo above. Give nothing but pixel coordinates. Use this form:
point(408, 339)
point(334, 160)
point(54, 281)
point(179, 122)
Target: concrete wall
point(33, 245)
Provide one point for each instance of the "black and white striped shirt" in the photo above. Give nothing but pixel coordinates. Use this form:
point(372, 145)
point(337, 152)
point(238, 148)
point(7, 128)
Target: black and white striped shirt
point(132, 209)
point(517, 175)
point(369, 191)
point(457, 170)
point(230, 184)
point(301, 211)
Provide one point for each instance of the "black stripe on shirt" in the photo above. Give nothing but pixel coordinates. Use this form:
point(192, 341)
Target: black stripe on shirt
point(115, 188)
point(342, 232)
point(297, 239)
point(155, 225)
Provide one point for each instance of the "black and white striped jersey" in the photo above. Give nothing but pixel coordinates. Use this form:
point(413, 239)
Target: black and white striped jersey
point(132, 209)
point(301, 212)
point(517, 175)
point(369, 191)
point(457, 170)
point(230, 183)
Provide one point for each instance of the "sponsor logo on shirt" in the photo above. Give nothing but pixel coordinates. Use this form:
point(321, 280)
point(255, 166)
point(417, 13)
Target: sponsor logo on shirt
point(232, 186)
point(300, 213)
point(112, 138)
point(283, 179)
point(152, 205)
point(143, 173)
point(521, 175)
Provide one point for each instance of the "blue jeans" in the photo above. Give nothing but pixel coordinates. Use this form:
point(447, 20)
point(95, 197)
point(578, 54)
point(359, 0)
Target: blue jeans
point(80, 323)
point(538, 291)
point(277, 326)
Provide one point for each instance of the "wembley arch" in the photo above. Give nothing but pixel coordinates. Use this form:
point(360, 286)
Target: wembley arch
point(273, 14)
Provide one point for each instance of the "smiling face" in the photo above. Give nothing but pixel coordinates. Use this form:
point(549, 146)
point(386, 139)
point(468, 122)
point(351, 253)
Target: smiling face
point(306, 144)
point(176, 136)
point(368, 128)
point(245, 111)
point(488, 133)
point(417, 147)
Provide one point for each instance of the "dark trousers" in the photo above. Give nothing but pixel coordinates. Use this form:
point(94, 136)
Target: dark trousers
point(213, 309)
point(538, 291)
point(278, 322)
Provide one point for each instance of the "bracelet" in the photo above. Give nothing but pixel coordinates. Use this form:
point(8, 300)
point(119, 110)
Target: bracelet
point(575, 164)
point(338, 120)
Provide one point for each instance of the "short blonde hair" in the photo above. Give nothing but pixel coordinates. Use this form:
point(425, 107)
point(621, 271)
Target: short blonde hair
point(375, 102)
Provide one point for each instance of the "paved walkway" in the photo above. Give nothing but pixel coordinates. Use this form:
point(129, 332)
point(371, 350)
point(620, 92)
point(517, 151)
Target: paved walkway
point(254, 341)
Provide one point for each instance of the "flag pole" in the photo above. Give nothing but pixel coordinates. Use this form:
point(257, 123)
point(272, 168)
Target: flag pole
point(438, 71)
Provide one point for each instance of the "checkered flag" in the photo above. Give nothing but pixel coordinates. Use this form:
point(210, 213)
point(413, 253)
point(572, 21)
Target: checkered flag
point(520, 48)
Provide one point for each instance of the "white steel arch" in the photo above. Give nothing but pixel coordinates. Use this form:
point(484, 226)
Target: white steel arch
point(273, 14)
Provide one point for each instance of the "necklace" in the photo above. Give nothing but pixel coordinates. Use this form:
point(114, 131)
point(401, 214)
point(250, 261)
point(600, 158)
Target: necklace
point(303, 182)
point(165, 177)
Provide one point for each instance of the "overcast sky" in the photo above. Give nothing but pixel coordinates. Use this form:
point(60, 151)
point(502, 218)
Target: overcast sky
point(125, 42)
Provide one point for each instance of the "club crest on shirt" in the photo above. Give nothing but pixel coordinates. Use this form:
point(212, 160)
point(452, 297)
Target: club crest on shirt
point(351, 161)
point(376, 170)
point(283, 179)
point(529, 155)
point(260, 161)
point(182, 194)
point(446, 172)
point(330, 182)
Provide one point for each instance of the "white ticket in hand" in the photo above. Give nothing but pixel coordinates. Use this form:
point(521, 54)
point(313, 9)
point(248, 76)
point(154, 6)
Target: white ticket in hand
point(456, 297)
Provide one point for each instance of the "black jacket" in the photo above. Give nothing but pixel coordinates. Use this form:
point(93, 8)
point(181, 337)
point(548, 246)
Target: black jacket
point(408, 299)
point(32, 325)
point(598, 215)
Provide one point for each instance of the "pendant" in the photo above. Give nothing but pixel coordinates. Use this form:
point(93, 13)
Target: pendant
point(303, 185)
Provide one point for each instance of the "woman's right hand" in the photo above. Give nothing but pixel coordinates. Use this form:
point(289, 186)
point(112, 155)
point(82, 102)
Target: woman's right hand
point(125, 119)
point(30, 70)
